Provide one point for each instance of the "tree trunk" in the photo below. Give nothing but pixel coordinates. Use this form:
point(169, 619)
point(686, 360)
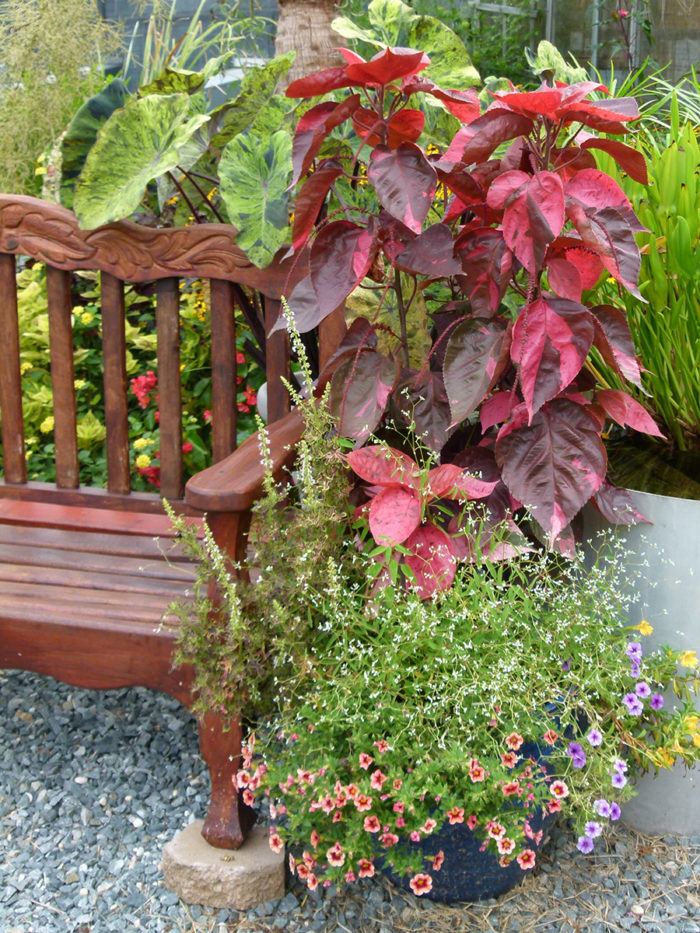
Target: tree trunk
point(305, 27)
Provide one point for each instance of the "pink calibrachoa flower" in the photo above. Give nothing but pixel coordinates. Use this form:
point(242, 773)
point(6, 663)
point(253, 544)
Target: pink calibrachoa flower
point(477, 773)
point(559, 789)
point(352, 790)
point(400, 822)
point(363, 802)
point(314, 838)
point(337, 816)
point(438, 860)
point(312, 881)
point(350, 876)
point(509, 759)
point(372, 824)
point(505, 845)
point(421, 884)
point(550, 737)
point(398, 782)
point(292, 863)
point(495, 830)
point(377, 779)
point(242, 778)
point(428, 826)
point(303, 871)
point(327, 804)
point(398, 807)
point(388, 840)
point(455, 815)
point(513, 787)
point(276, 843)
point(526, 859)
point(382, 746)
point(335, 855)
point(306, 777)
point(365, 760)
point(248, 797)
point(415, 836)
point(366, 868)
point(472, 821)
point(514, 741)
point(554, 806)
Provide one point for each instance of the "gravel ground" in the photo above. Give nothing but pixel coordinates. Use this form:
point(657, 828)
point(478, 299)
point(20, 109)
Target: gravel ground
point(92, 784)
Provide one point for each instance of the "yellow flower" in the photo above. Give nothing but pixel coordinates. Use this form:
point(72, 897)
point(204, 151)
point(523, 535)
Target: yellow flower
point(688, 659)
point(87, 317)
point(142, 461)
point(665, 758)
point(46, 425)
point(25, 367)
point(644, 628)
point(691, 723)
point(696, 740)
point(140, 443)
point(79, 383)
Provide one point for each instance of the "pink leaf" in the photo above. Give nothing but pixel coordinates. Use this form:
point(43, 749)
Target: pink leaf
point(314, 126)
point(623, 409)
point(473, 363)
point(384, 466)
point(551, 340)
point(432, 560)
point(320, 82)
point(461, 104)
point(476, 141)
point(496, 409)
point(310, 200)
point(533, 217)
point(630, 160)
point(360, 390)
point(387, 66)
point(394, 514)
point(613, 339)
point(487, 264)
point(564, 278)
point(592, 188)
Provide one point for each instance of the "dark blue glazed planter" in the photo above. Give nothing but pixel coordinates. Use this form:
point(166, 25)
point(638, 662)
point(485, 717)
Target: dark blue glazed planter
point(467, 873)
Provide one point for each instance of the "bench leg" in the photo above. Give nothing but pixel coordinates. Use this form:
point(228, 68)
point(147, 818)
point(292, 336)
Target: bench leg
point(229, 820)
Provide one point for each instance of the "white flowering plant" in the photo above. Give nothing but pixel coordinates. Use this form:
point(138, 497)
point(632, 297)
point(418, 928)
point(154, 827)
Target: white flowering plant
point(518, 692)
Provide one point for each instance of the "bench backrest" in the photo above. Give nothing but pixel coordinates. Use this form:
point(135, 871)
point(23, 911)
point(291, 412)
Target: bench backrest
point(126, 252)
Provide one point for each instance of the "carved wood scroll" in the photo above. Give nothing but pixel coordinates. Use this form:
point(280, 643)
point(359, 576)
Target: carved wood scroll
point(129, 251)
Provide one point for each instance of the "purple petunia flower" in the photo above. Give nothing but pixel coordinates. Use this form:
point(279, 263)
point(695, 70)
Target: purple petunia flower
point(633, 703)
point(584, 844)
point(594, 738)
point(602, 807)
point(620, 766)
point(566, 666)
point(642, 689)
point(615, 811)
point(593, 829)
point(656, 701)
point(618, 780)
point(634, 651)
point(635, 668)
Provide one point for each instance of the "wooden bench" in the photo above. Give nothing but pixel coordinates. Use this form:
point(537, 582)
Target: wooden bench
point(83, 586)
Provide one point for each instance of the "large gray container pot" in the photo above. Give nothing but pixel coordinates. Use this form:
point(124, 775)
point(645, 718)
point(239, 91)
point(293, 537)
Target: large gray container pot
point(670, 590)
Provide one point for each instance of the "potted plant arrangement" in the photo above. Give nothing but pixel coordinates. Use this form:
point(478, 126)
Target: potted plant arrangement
point(431, 734)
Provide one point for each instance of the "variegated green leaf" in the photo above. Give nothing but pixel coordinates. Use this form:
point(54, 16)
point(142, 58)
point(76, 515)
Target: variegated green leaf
point(450, 64)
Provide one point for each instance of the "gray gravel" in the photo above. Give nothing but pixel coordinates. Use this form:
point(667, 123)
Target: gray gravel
point(92, 784)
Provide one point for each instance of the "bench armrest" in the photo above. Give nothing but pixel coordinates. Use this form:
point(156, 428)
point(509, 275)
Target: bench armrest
point(234, 483)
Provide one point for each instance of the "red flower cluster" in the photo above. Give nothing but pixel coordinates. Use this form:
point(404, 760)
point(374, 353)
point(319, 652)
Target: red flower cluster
point(142, 386)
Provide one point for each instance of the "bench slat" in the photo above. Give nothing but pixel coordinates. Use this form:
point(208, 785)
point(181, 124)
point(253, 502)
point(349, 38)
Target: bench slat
point(78, 615)
point(15, 464)
point(169, 392)
point(62, 377)
point(114, 354)
point(123, 545)
point(79, 518)
point(223, 366)
point(111, 602)
point(88, 563)
point(58, 576)
point(276, 363)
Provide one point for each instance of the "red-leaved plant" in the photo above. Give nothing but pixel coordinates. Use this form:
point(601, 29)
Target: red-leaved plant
point(497, 253)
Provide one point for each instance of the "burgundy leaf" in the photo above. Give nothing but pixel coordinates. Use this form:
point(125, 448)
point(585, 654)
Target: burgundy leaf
point(476, 141)
point(627, 412)
point(394, 514)
point(463, 184)
point(360, 389)
point(304, 307)
point(496, 409)
point(341, 256)
point(630, 160)
point(313, 128)
point(405, 182)
point(593, 189)
point(533, 213)
point(405, 126)
point(472, 364)
point(320, 82)
point(544, 102)
point(606, 116)
point(361, 335)
point(384, 466)
point(431, 253)
point(572, 267)
point(613, 340)
point(432, 560)
point(450, 482)
point(553, 465)
point(487, 263)
point(310, 200)
point(422, 402)
point(608, 233)
point(387, 66)
point(551, 340)
point(617, 506)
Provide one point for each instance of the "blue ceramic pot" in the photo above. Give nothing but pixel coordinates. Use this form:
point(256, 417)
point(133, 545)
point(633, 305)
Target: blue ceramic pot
point(467, 873)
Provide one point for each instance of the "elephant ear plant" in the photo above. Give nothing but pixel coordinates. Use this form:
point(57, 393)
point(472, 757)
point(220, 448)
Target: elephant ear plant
point(465, 272)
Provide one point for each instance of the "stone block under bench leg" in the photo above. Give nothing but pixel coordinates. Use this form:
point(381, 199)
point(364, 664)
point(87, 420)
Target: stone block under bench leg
point(239, 878)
